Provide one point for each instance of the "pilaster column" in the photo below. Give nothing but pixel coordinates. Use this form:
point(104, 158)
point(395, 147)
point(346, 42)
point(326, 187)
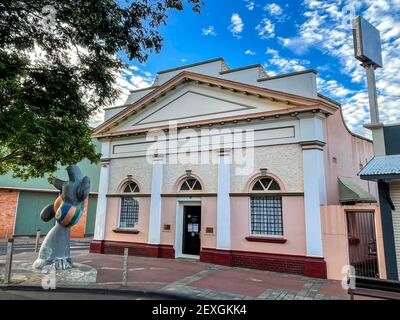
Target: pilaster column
point(155, 201)
point(101, 210)
point(223, 202)
point(312, 142)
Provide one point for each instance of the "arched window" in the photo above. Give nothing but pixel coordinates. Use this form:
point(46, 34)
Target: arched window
point(266, 184)
point(131, 187)
point(266, 209)
point(129, 214)
point(190, 184)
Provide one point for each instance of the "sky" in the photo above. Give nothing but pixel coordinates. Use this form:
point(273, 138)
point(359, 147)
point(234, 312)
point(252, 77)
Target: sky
point(284, 36)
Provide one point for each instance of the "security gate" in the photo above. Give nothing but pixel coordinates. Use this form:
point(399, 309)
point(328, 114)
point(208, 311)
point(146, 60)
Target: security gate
point(362, 243)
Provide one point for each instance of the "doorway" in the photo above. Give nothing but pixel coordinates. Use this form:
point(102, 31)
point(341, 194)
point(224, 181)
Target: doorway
point(191, 230)
point(362, 243)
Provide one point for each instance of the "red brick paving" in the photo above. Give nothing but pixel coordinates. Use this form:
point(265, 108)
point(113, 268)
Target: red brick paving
point(144, 274)
point(333, 289)
point(246, 282)
point(151, 274)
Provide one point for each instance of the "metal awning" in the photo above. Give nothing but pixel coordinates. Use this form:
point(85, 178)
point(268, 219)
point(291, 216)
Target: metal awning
point(351, 191)
point(382, 168)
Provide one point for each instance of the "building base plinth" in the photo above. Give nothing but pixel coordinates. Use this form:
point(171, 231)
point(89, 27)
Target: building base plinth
point(134, 249)
point(96, 246)
point(307, 266)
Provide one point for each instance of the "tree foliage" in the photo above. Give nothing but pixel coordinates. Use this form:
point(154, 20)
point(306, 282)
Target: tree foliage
point(47, 99)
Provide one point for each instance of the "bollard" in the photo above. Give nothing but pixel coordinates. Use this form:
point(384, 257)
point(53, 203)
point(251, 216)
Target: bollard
point(37, 240)
point(7, 269)
point(6, 235)
point(125, 268)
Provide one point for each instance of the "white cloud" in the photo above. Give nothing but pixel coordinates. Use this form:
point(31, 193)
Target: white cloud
point(126, 80)
point(209, 31)
point(324, 29)
point(147, 74)
point(282, 65)
point(333, 88)
point(297, 44)
point(266, 29)
point(236, 26)
point(250, 5)
point(249, 52)
point(273, 9)
point(134, 68)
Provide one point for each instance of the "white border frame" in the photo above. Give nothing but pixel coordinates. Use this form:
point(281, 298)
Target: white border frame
point(189, 201)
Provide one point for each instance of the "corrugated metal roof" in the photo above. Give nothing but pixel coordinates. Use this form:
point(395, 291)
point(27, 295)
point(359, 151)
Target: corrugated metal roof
point(382, 166)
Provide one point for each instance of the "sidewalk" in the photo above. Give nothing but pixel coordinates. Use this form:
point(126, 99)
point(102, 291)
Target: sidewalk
point(197, 280)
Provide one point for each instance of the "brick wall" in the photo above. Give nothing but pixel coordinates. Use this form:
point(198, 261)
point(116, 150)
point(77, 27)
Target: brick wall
point(8, 208)
point(308, 266)
point(281, 264)
point(135, 249)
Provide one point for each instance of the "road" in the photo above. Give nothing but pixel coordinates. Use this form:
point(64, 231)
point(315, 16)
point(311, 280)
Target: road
point(25, 246)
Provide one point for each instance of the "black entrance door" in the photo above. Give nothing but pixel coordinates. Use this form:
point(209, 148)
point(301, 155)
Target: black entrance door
point(191, 230)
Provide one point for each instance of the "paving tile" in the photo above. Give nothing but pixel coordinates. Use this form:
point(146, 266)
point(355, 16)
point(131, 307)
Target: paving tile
point(203, 280)
point(333, 289)
point(245, 282)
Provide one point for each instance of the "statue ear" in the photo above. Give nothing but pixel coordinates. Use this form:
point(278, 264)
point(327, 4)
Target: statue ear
point(83, 189)
point(74, 173)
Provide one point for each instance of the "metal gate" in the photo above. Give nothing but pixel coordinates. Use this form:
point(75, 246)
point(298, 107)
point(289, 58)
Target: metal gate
point(362, 243)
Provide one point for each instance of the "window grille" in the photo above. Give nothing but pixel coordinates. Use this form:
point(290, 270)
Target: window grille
point(266, 210)
point(129, 214)
point(266, 215)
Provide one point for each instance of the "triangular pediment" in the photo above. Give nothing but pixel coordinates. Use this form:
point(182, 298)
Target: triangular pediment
point(191, 98)
point(192, 104)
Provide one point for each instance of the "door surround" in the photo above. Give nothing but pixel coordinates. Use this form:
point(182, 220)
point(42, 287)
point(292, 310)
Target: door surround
point(182, 202)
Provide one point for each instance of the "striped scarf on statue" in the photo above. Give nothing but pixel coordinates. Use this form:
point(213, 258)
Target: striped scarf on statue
point(68, 215)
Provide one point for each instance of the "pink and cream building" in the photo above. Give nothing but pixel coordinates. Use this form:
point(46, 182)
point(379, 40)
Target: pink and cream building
point(298, 208)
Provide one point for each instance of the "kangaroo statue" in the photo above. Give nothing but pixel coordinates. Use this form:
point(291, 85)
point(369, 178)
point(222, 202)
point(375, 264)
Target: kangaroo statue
point(67, 209)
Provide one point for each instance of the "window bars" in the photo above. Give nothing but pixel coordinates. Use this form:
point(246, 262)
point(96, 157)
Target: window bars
point(266, 215)
point(129, 214)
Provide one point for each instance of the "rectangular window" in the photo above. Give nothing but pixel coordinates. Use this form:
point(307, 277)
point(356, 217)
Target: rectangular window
point(129, 215)
point(266, 215)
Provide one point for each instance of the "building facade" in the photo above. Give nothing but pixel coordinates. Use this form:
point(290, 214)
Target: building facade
point(22, 201)
point(236, 167)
